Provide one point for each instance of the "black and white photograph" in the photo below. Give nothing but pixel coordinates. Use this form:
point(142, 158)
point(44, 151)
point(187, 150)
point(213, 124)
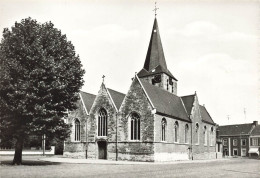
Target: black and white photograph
point(129, 88)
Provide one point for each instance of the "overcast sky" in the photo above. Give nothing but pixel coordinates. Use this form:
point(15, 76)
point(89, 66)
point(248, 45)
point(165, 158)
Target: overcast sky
point(210, 47)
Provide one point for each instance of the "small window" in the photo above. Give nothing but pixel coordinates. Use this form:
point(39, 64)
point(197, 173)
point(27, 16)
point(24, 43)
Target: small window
point(164, 124)
point(77, 130)
point(234, 142)
point(176, 131)
point(243, 142)
point(212, 140)
point(135, 126)
point(225, 142)
point(167, 84)
point(254, 141)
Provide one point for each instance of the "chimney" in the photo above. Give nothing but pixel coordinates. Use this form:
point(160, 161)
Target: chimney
point(255, 123)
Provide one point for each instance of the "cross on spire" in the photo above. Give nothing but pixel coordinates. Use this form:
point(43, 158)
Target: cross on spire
point(103, 78)
point(155, 9)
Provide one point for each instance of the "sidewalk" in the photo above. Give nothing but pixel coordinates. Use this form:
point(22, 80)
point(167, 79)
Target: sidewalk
point(110, 162)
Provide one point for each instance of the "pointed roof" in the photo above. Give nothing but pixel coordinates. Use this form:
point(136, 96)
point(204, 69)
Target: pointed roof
point(117, 97)
point(164, 102)
point(88, 100)
point(188, 102)
point(256, 130)
point(155, 60)
point(205, 115)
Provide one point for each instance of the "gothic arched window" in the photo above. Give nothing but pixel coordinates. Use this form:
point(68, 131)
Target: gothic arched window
point(186, 132)
point(205, 135)
point(135, 126)
point(197, 127)
point(77, 130)
point(176, 131)
point(164, 124)
point(102, 122)
point(212, 136)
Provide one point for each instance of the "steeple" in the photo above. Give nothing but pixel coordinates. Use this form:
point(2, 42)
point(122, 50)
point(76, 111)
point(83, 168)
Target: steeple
point(155, 68)
point(155, 55)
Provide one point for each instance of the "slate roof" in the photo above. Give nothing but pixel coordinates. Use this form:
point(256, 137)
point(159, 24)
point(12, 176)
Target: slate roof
point(205, 115)
point(256, 130)
point(155, 59)
point(165, 103)
point(235, 129)
point(117, 97)
point(88, 99)
point(188, 102)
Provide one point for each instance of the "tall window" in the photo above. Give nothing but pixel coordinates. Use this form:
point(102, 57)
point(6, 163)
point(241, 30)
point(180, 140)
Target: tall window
point(243, 142)
point(235, 142)
point(164, 123)
point(197, 132)
point(77, 130)
point(212, 139)
point(102, 123)
point(186, 133)
point(176, 131)
point(135, 126)
point(205, 135)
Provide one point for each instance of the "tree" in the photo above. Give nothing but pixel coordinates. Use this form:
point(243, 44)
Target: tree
point(39, 81)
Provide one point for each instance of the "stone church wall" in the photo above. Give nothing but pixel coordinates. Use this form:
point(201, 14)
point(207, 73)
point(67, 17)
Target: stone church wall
point(74, 148)
point(200, 150)
point(136, 101)
point(102, 101)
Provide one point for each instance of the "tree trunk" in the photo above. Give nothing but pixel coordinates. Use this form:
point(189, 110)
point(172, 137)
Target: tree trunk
point(18, 151)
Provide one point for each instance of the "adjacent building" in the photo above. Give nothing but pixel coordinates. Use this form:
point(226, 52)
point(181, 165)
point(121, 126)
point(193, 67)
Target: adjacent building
point(148, 123)
point(254, 142)
point(236, 138)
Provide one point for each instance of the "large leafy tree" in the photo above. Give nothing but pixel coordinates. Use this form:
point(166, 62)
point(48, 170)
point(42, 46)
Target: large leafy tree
point(39, 81)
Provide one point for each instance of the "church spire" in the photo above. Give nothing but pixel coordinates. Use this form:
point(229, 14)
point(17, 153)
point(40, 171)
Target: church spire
point(155, 54)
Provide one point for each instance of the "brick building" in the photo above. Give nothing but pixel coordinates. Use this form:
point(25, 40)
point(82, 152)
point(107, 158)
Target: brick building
point(148, 123)
point(235, 138)
point(254, 142)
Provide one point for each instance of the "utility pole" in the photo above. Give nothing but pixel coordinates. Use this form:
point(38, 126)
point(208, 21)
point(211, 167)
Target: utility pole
point(245, 113)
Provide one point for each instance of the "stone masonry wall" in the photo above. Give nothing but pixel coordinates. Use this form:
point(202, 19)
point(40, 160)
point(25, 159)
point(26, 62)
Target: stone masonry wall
point(136, 101)
point(102, 101)
point(199, 147)
point(74, 148)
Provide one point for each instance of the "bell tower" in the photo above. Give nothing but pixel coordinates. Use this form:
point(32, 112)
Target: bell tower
point(155, 69)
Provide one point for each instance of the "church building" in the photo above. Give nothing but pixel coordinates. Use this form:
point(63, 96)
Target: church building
point(148, 123)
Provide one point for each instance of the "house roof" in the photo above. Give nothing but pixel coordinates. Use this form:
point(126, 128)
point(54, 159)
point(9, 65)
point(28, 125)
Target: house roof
point(238, 129)
point(117, 97)
point(165, 103)
point(155, 60)
point(188, 102)
point(205, 115)
point(88, 99)
point(256, 130)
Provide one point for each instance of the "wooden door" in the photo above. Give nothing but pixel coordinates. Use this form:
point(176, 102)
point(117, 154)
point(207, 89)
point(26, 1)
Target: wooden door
point(102, 150)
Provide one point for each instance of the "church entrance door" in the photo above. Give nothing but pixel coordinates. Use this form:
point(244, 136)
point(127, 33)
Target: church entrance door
point(102, 150)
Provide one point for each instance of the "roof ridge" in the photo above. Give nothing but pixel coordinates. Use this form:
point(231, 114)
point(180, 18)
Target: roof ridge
point(116, 91)
point(87, 93)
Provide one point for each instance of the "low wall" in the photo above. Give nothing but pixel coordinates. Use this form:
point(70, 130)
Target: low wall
point(30, 152)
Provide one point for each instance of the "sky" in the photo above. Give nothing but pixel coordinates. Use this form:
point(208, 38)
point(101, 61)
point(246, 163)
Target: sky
point(210, 47)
